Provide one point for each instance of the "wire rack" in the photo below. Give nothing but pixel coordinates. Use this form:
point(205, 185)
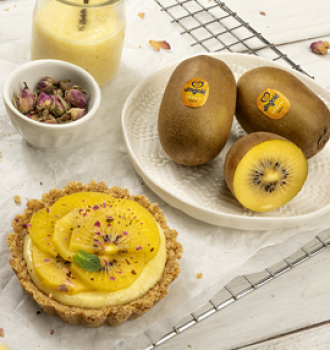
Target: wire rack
point(214, 27)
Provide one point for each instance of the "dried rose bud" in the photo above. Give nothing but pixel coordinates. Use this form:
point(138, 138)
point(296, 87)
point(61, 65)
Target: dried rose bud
point(65, 117)
point(50, 121)
point(26, 101)
point(66, 104)
point(56, 107)
point(34, 112)
point(45, 114)
point(320, 47)
point(77, 113)
point(46, 85)
point(44, 101)
point(63, 86)
point(75, 95)
point(33, 115)
point(59, 92)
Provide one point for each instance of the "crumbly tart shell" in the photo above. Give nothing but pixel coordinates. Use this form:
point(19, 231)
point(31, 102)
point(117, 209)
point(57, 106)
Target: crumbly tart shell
point(92, 317)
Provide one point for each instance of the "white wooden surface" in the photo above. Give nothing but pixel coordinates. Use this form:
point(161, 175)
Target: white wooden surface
point(293, 311)
point(282, 310)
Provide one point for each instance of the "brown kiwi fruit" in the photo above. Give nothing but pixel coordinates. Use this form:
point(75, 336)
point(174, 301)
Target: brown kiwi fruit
point(265, 171)
point(197, 109)
point(274, 100)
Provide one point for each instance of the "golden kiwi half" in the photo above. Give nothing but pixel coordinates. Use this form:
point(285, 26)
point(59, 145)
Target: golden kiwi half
point(264, 171)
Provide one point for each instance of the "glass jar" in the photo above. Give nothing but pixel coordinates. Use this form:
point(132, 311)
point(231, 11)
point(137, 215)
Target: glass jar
point(88, 33)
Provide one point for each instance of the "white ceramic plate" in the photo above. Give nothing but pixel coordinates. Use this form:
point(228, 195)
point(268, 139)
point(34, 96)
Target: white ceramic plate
point(201, 191)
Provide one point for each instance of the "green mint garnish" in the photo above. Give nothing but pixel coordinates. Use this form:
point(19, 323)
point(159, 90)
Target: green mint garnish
point(87, 261)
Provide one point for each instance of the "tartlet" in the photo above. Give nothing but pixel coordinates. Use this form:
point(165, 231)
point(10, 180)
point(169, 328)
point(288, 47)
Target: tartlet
point(102, 315)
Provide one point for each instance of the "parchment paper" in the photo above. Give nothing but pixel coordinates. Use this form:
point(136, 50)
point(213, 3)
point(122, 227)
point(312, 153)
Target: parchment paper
point(100, 154)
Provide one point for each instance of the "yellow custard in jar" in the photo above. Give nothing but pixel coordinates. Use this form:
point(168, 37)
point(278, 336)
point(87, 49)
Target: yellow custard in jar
point(89, 36)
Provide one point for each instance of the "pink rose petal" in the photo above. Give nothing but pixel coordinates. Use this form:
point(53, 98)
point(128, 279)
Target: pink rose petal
point(160, 45)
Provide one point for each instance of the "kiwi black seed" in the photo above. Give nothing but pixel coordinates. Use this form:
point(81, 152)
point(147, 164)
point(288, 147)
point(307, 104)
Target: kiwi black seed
point(257, 176)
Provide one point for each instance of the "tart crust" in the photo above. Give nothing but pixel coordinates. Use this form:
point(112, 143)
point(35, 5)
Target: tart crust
point(92, 317)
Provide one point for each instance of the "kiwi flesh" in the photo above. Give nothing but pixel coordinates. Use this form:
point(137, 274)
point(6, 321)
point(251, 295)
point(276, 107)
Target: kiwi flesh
point(306, 123)
point(196, 135)
point(264, 171)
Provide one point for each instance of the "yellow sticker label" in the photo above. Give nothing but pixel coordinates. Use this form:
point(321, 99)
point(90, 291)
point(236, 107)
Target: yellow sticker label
point(195, 92)
point(273, 104)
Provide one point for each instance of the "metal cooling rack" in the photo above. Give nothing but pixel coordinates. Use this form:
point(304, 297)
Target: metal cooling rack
point(215, 27)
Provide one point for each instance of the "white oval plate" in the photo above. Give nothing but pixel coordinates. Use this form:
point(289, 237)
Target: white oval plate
point(201, 191)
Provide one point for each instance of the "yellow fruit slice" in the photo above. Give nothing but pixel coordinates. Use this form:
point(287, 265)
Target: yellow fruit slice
point(41, 229)
point(95, 231)
point(100, 233)
point(63, 229)
point(117, 271)
point(142, 219)
point(55, 273)
point(78, 200)
point(270, 175)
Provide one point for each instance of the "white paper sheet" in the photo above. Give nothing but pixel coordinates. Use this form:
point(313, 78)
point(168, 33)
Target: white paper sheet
point(100, 154)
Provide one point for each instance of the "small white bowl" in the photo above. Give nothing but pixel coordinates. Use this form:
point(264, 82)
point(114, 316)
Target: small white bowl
point(41, 135)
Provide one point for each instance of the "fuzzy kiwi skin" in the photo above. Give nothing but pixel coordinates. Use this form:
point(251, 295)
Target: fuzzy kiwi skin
point(307, 124)
point(239, 150)
point(194, 136)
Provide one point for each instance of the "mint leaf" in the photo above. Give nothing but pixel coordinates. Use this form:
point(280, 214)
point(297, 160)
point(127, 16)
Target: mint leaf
point(87, 261)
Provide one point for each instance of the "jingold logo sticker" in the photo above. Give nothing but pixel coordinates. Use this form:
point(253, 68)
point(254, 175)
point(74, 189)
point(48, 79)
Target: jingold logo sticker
point(195, 92)
point(273, 104)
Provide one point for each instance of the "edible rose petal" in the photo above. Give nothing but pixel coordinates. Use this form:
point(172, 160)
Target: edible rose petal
point(62, 288)
point(160, 45)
